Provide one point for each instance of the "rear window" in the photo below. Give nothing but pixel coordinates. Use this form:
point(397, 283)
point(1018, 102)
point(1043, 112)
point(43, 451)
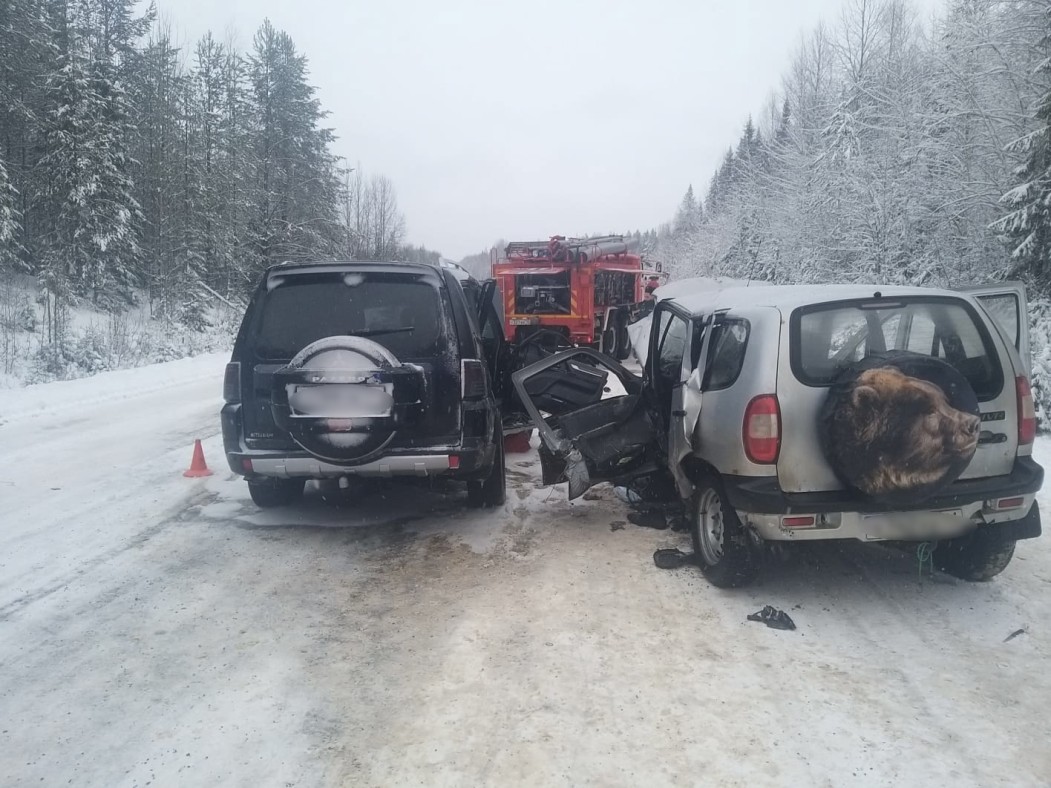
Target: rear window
point(398, 312)
point(829, 337)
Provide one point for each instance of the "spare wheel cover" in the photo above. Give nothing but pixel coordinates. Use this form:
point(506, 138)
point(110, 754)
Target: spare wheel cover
point(336, 399)
point(899, 427)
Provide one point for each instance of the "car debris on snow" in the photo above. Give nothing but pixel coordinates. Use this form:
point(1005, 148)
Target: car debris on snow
point(1023, 631)
point(673, 558)
point(773, 618)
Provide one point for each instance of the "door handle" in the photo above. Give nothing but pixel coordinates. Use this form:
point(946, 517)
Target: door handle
point(679, 413)
point(986, 437)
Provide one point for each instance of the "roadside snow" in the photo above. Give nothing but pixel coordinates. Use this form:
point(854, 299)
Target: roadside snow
point(109, 387)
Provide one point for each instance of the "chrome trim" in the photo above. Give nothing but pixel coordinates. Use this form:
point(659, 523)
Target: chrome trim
point(289, 467)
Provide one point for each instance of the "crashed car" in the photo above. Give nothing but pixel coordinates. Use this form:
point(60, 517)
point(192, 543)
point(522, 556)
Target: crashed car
point(809, 413)
point(352, 369)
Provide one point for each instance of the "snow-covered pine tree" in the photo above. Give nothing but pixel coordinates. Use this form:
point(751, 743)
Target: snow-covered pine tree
point(26, 56)
point(209, 221)
point(296, 184)
point(71, 178)
point(9, 221)
point(1027, 227)
point(114, 213)
point(156, 95)
point(688, 217)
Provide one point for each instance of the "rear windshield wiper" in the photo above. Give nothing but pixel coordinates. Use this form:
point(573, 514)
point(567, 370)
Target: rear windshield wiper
point(371, 332)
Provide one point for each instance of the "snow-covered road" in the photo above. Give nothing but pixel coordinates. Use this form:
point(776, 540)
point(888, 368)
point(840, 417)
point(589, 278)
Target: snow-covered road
point(161, 630)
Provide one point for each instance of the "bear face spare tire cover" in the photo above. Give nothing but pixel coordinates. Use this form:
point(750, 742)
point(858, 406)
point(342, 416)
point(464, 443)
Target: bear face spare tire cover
point(341, 398)
point(899, 427)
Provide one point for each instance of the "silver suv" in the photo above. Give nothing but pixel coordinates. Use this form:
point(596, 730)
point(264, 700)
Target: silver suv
point(817, 412)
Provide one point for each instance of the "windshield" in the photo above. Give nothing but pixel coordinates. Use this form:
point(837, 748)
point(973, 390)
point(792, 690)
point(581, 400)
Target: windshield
point(827, 338)
point(399, 313)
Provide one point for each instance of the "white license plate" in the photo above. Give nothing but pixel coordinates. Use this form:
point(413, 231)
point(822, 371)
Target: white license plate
point(522, 321)
point(915, 525)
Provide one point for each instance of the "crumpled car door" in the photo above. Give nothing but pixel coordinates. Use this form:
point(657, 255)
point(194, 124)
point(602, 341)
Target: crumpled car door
point(613, 439)
point(686, 412)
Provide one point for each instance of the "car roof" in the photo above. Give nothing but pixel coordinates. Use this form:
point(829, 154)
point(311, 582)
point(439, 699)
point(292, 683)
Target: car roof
point(338, 266)
point(789, 297)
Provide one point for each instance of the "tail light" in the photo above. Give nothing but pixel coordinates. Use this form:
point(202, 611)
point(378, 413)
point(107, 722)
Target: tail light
point(1026, 412)
point(232, 382)
point(472, 377)
point(762, 430)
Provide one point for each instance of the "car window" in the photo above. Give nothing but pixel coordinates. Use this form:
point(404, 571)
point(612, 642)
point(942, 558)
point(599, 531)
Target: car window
point(726, 354)
point(401, 314)
point(827, 338)
point(1004, 310)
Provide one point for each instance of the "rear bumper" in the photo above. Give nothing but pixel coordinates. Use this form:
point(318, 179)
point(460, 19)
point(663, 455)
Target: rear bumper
point(839, 515)
point(763, 495)
point(464, 457)
point(915, 526)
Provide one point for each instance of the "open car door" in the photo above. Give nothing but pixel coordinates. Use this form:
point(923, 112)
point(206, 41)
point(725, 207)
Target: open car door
point(613, 438)
point(638, 426)
point(494, 344)
point(1006, 304)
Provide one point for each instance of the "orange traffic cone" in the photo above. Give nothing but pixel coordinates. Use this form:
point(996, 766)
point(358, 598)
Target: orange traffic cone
point(198, 467)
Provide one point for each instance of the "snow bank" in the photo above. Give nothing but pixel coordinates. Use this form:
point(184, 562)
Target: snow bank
point(95, 341)
point(63, 396)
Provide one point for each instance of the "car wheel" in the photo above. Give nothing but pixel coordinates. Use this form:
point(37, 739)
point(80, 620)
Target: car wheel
point(980, 555)
point(268, 493)
point(492, 490)
point(727, 554)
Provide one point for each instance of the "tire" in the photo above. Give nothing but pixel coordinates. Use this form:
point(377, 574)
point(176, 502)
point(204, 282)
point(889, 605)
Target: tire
point(978, 556)
point(269, 493)
point(609, 342)
point(726, 552)
point(491, 491)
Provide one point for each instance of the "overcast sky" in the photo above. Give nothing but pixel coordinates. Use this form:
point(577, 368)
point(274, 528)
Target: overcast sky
point(529, 118)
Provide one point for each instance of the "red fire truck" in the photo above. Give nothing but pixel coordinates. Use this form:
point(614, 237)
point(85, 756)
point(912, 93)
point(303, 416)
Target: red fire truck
point(585, 289)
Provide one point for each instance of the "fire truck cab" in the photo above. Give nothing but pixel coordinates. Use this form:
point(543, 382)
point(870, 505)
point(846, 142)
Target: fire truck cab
point(585, 289)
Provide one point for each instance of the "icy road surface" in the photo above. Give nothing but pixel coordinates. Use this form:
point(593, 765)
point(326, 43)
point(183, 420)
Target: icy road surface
point(161, 630)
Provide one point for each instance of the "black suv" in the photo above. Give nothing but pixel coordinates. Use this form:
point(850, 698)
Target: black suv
point(365, 369)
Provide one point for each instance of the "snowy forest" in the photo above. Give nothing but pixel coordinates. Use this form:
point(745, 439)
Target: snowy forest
point(896, 150)
point(140, 177)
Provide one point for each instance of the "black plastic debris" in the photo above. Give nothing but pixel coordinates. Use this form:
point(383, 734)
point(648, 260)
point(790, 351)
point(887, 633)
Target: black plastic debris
point(673, 558)
point(1016, 633)
point(773, 618)
point(655, 520)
